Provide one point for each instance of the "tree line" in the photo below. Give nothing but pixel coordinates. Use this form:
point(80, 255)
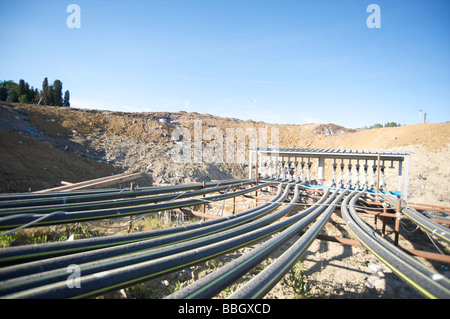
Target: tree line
point(22, 92)
point(378, 125)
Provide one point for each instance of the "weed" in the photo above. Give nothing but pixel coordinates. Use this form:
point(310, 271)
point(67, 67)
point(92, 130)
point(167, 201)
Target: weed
point(175, 288)
point(142, 290)
point(8, 240)
point(153, 222)
point(266, 263)
point(227, 291)
point(298, 282)
point(80, 230)
point(213, 263)
point(23, 237)
point(36, 239)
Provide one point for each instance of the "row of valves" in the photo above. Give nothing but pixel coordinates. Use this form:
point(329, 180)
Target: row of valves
point(291, 171)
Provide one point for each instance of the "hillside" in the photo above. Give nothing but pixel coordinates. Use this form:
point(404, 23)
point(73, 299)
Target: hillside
point(42, 146)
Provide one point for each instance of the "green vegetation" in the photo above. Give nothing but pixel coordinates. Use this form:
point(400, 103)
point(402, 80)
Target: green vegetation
point(23, 93)
point(152, 289)
point(44, 234)
point(297, 281)
point(388, 124)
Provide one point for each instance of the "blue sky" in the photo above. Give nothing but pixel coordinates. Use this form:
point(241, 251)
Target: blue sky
point(285, 61)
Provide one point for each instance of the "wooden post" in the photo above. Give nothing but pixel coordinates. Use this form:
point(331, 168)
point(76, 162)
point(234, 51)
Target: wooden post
point(95, 183)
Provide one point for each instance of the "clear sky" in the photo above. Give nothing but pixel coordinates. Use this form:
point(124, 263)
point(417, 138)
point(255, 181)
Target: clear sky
point(278, 61)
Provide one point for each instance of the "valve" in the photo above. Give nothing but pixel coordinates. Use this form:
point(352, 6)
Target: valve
point(309, 170)
point(357, 166)
point(349, 177)
point(382, 183)
point(333, 180)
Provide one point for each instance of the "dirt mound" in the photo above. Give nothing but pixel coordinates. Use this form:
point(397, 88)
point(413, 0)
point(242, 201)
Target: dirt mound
point(332, 130)
point(29, 165)
point(434, 137)
point(109, 142)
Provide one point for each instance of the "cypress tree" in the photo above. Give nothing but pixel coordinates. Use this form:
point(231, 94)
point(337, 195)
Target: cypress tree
point(21, 89)
point(13, 97)
point(37, 96)
point(3, 93)
point(57, 93)
point(45, 92)
point(12, 89)
point(44, 84)
point(66, 98)
point(51, 95)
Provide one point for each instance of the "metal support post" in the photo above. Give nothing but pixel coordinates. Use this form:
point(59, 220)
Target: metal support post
point(321, 172)
point(405, 189)
point(397, 220)
point(400, 177)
